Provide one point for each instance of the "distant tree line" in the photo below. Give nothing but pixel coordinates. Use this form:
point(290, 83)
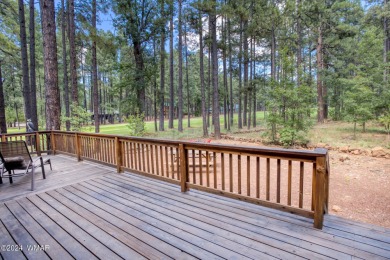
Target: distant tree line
point(178, 59)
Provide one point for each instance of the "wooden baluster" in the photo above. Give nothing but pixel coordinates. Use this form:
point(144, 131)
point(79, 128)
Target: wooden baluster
point(148, 157)
point(183, 168)
point(231, 172)
point(157, 166)
point(289, 182)
point(162, 161)
point(248, 175)
point(172, 163)
point(152, 158)
point(177, 165)
point(301, 173)
point(215, 169)
point(313, 187)
point(143, 157)
point(193, 167)
point(239, 173)
point(200, 168)
point(222, 169)
point(278, 181)
point(257, 177)
point(268, 179)
point(166, 161)
point(207, 169)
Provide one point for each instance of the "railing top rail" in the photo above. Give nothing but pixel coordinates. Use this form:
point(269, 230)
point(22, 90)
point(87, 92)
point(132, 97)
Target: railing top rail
point(25, 133)
point(264, 151)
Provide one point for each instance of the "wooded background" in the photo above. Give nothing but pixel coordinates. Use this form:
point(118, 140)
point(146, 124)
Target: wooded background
point(169, 59)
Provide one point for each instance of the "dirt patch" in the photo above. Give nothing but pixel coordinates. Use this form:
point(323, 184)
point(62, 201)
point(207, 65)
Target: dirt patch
point(359, 186)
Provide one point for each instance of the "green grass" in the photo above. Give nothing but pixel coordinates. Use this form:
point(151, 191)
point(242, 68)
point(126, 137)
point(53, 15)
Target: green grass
point(336, 134)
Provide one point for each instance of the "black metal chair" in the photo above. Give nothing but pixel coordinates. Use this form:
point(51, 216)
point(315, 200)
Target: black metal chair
point(16, 156)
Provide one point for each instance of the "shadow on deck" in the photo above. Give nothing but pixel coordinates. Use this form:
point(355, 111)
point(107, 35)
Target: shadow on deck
point(86, 211)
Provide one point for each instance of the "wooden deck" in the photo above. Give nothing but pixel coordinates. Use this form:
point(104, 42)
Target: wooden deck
point(88, 211)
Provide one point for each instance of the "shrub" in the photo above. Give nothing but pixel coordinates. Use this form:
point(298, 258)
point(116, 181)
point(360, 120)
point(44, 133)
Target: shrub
point(136, 124)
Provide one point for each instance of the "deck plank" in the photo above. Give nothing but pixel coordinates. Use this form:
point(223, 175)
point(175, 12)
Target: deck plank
point(287, 229)
point(97, 248)
point(20, 235)
point(55, 250)
point(76, 249)
point(85, 210)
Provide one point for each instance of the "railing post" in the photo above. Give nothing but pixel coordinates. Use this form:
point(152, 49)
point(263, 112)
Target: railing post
point(3, 138)
point(78, 147)
point(53, 143)
point(37, 144)
point(321, 189)
point(183, 168)
point(118, 154)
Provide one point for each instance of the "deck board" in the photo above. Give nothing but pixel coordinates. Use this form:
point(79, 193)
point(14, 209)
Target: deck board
point(86, 211)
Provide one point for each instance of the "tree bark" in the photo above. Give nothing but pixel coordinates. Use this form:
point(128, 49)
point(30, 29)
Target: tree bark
point(171, 78)
point(187, 80)
point(139, 76)
point(214, 61)
point(25, 70)
point(33, 85)
point(201, 74)
point(320, 98)
point(162, 74)
point(240, 79)
point(94, 70)
point(65, 65)
point(180, 76)
point(230, 73)
point(53, 107)
point(225, 83)
point(246, 72)
point(73, 58)
point(3, 122)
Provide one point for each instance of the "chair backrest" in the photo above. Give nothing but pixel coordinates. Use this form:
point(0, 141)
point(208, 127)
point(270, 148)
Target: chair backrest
point(15, 149)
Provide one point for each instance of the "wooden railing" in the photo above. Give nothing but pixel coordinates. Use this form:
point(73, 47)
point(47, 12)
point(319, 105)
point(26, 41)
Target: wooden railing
point(296, 181)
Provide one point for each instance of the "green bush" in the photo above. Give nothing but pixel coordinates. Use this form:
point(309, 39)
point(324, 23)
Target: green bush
point(136, 124)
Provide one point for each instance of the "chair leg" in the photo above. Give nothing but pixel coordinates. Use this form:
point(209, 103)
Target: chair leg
point(32, 179)
point(10, 177)
point(43, 168)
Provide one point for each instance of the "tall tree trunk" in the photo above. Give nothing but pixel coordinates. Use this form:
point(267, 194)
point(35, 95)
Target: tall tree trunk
point(73, 58)
point(187, 80)
point(320, 98)
point(240, 79)
point(171, 78)
point(299, 42)
point(254, 83)
point(273, 76)
point(225, 83)
point(94, 70)
point(33, 85)
point(65, 66)
point(25, 70)
point(246, 72)
point(214, 58)
point(162, 73)
point(53, 107)
point(3, 122)
point(139, 75)
point(230, 73)
point(180, 76)
point(250, 84)
point(155, 88)
point(201, 74)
